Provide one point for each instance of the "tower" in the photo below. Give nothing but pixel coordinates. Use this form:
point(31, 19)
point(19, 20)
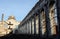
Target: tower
point(2, 19)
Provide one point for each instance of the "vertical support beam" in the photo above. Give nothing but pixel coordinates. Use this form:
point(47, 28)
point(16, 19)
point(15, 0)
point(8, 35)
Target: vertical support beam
point(39, 30)
point(34, 24)
point(31, 26)
point(27, 27)
point(46, 9)
point(39, 24)
point(58, 16)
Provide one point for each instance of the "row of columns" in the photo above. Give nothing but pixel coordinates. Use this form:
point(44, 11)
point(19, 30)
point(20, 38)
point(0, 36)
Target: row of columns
point(34, 26)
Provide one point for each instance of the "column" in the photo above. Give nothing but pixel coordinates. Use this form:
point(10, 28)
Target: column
point(46, 9)
point(32, 25)
point(58, 15)
point(39, 23)
point(43, 23)
point(27, 27)
point(35, 24)
point(53, 18)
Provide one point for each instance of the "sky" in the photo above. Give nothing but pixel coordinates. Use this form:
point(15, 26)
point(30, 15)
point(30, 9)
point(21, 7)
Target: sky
point(17, 8)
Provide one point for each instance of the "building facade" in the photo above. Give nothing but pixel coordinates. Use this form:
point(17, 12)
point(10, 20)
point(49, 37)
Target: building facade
point(42, 20)
point(8, 26)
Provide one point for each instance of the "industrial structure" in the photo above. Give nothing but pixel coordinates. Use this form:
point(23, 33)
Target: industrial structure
point(42, 20)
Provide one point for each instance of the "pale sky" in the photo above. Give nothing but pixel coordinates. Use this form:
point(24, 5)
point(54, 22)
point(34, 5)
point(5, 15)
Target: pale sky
point(18, 8)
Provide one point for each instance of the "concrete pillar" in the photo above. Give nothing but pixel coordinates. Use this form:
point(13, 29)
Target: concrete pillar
point(35, 24)
point(39, 24)
point(58, 16)
point(46, 9)
point(27, 27)
point(53, 19)
point(43, 23)
point(32, 25)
